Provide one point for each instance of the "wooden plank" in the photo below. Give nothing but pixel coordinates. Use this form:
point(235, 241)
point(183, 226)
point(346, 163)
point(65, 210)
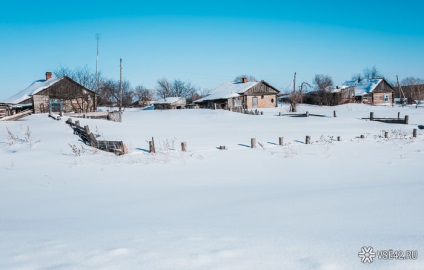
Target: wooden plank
point(16, 116)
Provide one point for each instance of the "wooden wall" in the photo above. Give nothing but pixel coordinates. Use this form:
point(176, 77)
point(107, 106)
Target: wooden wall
point(3, 110)
point(264, 101)
point(378, 98)
point(40, 103)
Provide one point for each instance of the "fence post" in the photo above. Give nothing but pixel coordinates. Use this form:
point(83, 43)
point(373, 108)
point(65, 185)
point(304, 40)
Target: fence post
point(414, 133)
point(184, 146)
point(92, 140)
point(334, 114)
point(371, 116)
point(307, 114)
point(338, 138)
point(87, 130)
point(279, 114)
point(398, 115)
point(151, 147)
point(253, 143)
point(406, 119)
point(386, 134)
point(281, 141)
point(362, 136)
point(308, 140)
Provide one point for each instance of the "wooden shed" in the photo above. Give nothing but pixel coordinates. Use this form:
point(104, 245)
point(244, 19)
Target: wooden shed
point(241, 95)
point(58, 95)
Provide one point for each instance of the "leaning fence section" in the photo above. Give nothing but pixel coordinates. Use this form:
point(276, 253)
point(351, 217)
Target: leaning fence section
point(88, 137)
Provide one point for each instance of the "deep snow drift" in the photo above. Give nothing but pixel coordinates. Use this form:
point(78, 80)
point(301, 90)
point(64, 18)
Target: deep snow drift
point(293, 207)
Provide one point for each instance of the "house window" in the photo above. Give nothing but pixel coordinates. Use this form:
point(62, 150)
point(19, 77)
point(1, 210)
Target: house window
point(262, 97)
point(386, 98)
point(272, 100)
point(237, 103)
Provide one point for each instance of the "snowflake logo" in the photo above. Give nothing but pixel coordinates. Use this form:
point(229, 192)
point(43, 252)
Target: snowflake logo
point(367, 254)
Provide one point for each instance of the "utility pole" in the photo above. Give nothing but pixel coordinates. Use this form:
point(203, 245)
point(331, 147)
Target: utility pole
point(120, 85)
point(400, 89)
point(294, 83)
point(97, 62)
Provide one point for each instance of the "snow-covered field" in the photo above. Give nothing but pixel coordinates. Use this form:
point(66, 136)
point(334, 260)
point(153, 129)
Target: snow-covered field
point(293, 207)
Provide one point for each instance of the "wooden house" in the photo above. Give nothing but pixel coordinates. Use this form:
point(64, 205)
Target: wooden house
point(241, 95)
point(372, 91)
point(57, 95)
point(170, 103)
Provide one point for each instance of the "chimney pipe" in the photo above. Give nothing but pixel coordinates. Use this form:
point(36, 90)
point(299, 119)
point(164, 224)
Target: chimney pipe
point(48, 75)
point(244, 80)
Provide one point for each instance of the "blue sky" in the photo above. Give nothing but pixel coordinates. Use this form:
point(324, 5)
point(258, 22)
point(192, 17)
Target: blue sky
point(208, 42)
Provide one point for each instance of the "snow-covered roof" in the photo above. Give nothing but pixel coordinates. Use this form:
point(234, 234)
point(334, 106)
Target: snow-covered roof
point(228, 90)
point(31, 90)
point(363, 87)
point(170, 100)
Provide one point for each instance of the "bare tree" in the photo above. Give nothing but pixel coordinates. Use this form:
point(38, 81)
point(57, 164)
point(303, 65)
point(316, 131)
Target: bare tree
point(183, 89)
point(372, 73)
point(200, 93)
point(176, 88)
point(82, 75)
point(295, 98)
point(250, 78)
point(357, 77)
point(109, 93)
point(143, 95)
point(323, 86)
point(323, 82)
point(164, 88)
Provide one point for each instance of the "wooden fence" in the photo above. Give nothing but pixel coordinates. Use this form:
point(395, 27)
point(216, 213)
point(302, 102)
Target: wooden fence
point(89, 138)
point(16, 116)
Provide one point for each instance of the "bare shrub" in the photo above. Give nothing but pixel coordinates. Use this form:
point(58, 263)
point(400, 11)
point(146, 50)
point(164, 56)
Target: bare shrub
point(75, 149)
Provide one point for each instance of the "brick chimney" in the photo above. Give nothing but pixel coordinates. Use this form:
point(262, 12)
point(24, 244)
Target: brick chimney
point(244, 80)
point(48, 75)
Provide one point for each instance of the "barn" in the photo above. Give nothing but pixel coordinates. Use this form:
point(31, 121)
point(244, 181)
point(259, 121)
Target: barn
point(241, 95)
point(55, 95)
point(372, 91)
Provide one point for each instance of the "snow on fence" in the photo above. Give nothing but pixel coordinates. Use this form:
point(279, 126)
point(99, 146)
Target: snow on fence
point(117, 147)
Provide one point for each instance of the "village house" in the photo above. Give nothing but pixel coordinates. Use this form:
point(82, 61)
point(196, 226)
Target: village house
point(241, 95)
point(143, 102)
point(54, 95)
point(170, 103)
point(372, 91)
